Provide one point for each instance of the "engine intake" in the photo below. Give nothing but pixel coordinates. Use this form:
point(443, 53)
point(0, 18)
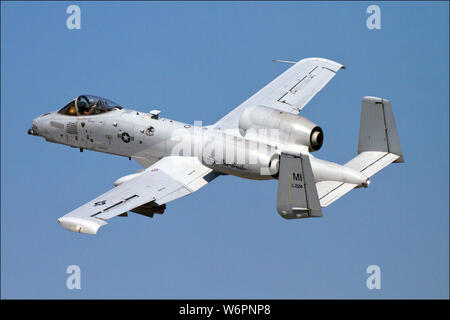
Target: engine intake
point(287, 128)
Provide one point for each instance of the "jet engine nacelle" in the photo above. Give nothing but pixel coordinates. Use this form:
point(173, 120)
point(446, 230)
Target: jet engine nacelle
point(271, 124)
point(229, 154)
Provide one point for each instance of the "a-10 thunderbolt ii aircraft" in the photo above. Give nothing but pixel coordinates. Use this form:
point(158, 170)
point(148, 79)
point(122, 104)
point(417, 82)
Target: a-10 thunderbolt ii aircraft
point(263, 138)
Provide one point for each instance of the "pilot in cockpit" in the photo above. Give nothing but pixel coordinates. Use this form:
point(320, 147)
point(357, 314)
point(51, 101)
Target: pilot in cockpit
point(88, 105)
point(84, 106)
point(90, 111)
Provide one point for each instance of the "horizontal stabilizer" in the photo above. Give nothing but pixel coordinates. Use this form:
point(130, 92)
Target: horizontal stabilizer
point(369, 163)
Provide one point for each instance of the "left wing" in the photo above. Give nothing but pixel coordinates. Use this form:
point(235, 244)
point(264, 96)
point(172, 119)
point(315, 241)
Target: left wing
point(168, 179)
point(290, 91)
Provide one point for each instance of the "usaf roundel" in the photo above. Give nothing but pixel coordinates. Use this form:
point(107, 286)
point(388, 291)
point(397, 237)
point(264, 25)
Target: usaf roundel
point(126, 137)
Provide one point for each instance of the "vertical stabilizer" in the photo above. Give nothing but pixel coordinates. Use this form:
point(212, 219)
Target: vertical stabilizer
point(378, 131)
point(378, 147)
point(297, 193)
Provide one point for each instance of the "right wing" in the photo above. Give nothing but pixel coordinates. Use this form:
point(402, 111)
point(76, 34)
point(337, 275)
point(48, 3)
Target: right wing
point(168, 179)
point(290, 91)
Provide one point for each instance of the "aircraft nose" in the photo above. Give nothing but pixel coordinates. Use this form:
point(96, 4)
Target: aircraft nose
point(34, 128)
point(38, 125)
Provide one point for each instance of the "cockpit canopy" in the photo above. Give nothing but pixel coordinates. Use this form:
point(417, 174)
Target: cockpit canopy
point(86, 104)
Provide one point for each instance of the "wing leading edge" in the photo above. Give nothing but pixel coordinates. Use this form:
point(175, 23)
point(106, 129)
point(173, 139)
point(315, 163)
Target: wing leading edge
point(168, 179)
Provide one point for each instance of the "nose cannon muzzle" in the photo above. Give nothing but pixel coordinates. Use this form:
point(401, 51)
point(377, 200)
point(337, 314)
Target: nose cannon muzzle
point(34, 128)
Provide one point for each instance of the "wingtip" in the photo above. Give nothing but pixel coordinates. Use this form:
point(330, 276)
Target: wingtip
point(81, 225)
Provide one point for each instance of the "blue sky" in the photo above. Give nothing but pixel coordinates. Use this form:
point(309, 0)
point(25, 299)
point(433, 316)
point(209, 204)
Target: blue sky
point(197, 61)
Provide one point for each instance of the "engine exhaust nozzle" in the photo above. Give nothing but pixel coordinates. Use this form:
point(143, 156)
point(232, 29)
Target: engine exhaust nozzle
point(316, 139)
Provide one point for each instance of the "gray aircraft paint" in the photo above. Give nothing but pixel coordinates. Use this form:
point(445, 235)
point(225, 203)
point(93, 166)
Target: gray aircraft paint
point(261, 139)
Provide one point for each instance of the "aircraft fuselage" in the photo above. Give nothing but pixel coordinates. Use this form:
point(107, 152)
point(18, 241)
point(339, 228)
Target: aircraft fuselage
point(148, 138)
